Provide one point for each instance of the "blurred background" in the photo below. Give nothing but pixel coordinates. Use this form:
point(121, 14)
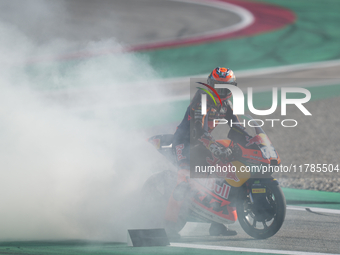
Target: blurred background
point(84, 83)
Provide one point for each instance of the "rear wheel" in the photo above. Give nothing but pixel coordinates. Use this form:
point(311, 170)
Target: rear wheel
point(156, 193)
point(263, 222)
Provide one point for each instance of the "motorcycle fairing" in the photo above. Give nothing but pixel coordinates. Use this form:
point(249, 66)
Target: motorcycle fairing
point(163, 144)
point(242, 177)
point(212, 207)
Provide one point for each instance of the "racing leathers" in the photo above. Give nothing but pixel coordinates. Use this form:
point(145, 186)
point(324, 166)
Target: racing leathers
point(195, 131)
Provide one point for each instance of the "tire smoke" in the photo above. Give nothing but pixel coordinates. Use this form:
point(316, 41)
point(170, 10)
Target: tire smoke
point(72, 157)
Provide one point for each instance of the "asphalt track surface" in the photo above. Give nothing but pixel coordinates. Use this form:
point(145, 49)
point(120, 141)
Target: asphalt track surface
point(303, 230)
point(85, 21)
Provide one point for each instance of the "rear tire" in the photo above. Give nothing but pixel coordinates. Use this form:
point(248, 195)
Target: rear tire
point(156, 193)
point(263, 226)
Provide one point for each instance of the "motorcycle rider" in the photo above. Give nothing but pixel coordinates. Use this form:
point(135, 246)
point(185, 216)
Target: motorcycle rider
point(195, 126)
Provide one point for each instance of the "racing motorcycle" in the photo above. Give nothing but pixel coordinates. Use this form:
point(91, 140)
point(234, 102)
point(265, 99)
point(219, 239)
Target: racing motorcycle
point(245, 191)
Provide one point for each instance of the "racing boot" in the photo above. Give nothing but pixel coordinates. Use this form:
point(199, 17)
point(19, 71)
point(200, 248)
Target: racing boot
point(218, 229)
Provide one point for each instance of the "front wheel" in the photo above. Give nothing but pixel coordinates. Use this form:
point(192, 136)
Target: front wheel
point(262, 220)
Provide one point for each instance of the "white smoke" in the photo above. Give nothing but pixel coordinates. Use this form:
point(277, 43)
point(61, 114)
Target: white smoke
point(71, 156)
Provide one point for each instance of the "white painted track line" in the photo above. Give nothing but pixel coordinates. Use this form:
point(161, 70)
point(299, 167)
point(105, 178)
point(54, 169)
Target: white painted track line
point(313, 209)
point(260, 71)
point(246, 16)
point(239, 249)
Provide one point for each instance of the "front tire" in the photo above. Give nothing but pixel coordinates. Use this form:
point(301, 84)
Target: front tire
point(264, 223)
